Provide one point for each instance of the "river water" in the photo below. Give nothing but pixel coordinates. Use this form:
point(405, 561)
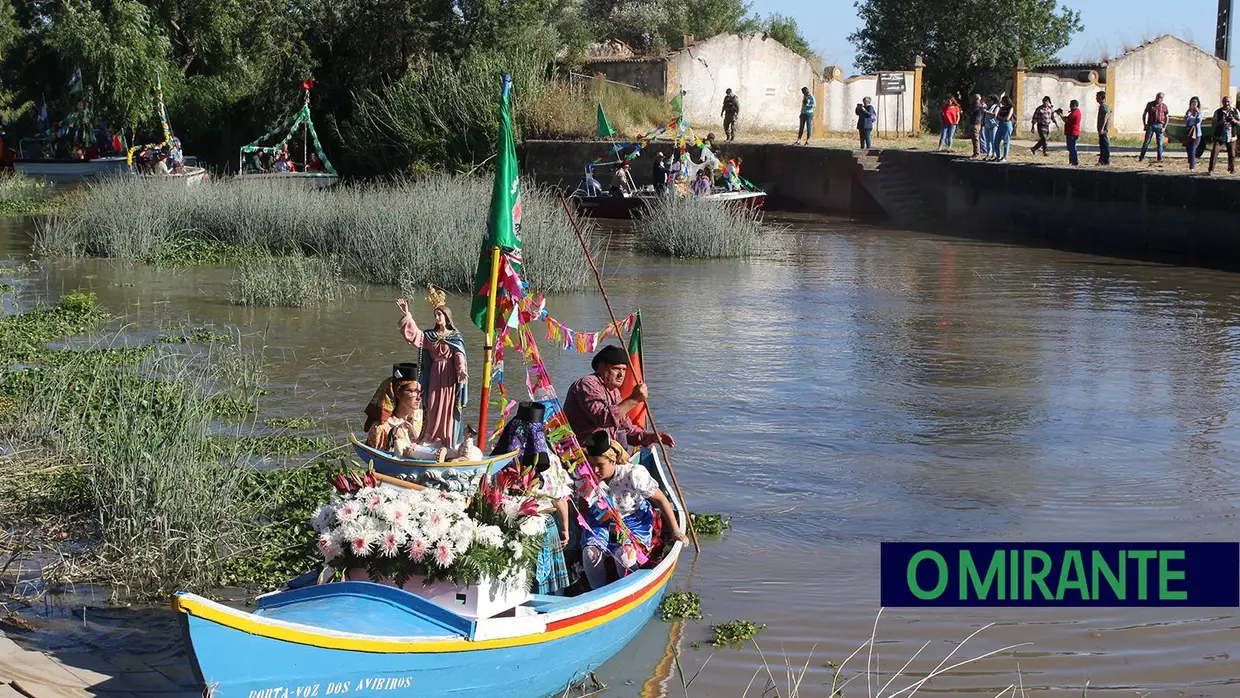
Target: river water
point(857, 385)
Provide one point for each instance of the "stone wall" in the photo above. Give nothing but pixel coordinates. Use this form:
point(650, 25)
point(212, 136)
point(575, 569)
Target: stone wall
point(765, 75)
point(1062, 91)
point(895, 112)
point(1168, 65)
point(646, 74)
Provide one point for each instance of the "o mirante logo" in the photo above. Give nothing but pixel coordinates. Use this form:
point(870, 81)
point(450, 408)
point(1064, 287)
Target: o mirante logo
point(1061, 574)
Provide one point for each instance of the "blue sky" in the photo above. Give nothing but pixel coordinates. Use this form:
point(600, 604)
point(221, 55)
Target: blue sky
point(1109, 24)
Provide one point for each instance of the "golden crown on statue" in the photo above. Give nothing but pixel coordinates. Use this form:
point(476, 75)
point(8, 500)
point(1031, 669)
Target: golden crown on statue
point(435, 296)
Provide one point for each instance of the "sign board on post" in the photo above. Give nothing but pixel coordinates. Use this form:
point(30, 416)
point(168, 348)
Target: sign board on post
point(891, 83)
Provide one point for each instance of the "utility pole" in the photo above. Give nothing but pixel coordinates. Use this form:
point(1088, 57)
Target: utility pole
point(1222, 39)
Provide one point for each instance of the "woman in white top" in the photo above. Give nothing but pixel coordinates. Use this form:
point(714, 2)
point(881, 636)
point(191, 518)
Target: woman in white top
point(635, 494)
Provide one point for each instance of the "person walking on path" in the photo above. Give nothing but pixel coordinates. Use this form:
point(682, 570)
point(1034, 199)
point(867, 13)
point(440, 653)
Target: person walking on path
point(807, 116)
point(1072, 129)
point(1043, 117)
point(1006, 119)
point(976, 117)
point(866, 116)
point(1225, 119)
point(1192, 131)
point(1104, 128)
point(949, 117)
point(731, 112)
point(1155, 121)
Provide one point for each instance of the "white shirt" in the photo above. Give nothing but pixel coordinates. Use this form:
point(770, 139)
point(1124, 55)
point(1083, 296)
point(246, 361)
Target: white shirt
point(628, 486)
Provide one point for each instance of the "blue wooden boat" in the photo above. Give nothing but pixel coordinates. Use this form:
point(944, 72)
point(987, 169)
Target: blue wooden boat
point(365, 639)
point(453, 477)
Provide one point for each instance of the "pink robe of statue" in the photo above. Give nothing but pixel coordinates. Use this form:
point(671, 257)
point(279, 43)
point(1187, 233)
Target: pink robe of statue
point(446, 371)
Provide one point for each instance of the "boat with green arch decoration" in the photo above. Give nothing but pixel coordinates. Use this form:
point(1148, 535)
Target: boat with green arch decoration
point(250, 167)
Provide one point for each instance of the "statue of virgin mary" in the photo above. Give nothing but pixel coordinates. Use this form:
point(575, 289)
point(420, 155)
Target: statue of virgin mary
point(443, 374)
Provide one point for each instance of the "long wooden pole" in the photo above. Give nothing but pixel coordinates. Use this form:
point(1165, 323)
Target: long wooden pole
point(489, 349)
point(598, 277)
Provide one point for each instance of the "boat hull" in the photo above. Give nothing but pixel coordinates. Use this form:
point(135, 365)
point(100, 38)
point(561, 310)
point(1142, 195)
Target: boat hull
point(317, 180)
point(620, 207)
point(71, 170)
point(242, 665)
point(454, 477)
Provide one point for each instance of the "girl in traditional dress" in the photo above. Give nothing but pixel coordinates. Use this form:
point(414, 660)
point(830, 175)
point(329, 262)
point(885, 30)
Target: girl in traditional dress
point(443, 371)
point(398, 429)
point(635, 494)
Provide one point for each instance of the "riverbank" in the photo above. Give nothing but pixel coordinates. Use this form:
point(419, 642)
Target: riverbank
point(1146, 211)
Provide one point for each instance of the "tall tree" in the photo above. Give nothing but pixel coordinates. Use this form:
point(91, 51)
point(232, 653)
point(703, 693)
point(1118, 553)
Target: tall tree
point(967, 44)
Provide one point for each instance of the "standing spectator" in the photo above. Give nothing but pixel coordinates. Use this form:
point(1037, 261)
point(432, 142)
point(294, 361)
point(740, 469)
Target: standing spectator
point(1043, 117)
point(1104, 128)
point(1225, 118)
point(976, 116)
point(1006, 119)
point(731, 112)
point(990, 128)
point(1192, 131)
point(1155, 121)
point(659, 174)
point(866, 116)
point(950, 116)
point(1072, 129)
point(807, 115)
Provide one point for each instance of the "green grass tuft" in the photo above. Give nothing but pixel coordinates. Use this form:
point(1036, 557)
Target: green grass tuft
point(685, 226)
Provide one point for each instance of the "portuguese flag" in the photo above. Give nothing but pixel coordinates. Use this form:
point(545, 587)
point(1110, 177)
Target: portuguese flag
point(634, 375)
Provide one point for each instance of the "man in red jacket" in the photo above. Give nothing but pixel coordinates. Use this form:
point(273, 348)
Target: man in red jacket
point(1072, 129)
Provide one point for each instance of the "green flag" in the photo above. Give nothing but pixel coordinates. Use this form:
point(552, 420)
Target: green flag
point(604, 126)
point(504, 221)
point(677, 105)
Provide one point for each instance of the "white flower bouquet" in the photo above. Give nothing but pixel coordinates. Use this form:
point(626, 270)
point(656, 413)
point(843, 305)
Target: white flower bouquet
point(395, 534)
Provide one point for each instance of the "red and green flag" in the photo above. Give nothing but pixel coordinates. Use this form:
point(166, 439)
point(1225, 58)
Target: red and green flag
point(504, 220)
point(634, 375)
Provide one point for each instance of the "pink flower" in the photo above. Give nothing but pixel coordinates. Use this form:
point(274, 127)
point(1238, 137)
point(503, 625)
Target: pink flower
point(328, 547)
point(529, 507)
point(359, 545)
point(444, 555)
point(436, 518)
point(373, 501)
point(417, 549)
point(389, 545)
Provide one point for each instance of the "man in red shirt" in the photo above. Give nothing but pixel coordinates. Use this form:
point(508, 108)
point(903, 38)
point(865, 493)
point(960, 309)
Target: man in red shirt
point(1072, 129)
point(1155, 121)
point(594, 402)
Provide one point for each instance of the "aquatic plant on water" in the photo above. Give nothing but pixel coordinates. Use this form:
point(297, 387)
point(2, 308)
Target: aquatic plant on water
point(399, 233)
point(681, 605)
point(395, 534)
point(734, 632)
point(686, 226)
point(710, 524)
point(291, 281)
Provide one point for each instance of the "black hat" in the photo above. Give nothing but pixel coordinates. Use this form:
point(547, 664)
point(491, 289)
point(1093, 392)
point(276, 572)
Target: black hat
point(609, 356)
point(597, 444)
point(405, 372)
point(531, 411)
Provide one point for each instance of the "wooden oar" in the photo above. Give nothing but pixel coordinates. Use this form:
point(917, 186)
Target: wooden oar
point(598, 277)
point(398, 482)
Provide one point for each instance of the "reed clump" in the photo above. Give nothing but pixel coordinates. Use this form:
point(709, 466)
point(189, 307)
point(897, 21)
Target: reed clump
point(690, 227)
point(290, 281)
point(407, 232)
point(23, 195)
point(132, 459)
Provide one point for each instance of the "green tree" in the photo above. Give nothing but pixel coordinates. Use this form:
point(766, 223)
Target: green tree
point(965, 43)
point(785, 31)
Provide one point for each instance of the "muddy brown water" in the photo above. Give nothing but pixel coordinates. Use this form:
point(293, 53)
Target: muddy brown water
point(856, 385)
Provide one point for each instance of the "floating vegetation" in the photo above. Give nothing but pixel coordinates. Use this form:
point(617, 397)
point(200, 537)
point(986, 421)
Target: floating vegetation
point(734, 632)
point(683, 605)
point(198, 335)
point(7, 288)
point(22, 195)
point(284, 543)
point(407, 232)
point(710, 524)
point(686, 226)
point(286, 282)
point(24, 337)
point(289, 422)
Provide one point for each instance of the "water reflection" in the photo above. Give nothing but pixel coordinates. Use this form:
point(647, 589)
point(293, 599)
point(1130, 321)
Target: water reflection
point(857, 385)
